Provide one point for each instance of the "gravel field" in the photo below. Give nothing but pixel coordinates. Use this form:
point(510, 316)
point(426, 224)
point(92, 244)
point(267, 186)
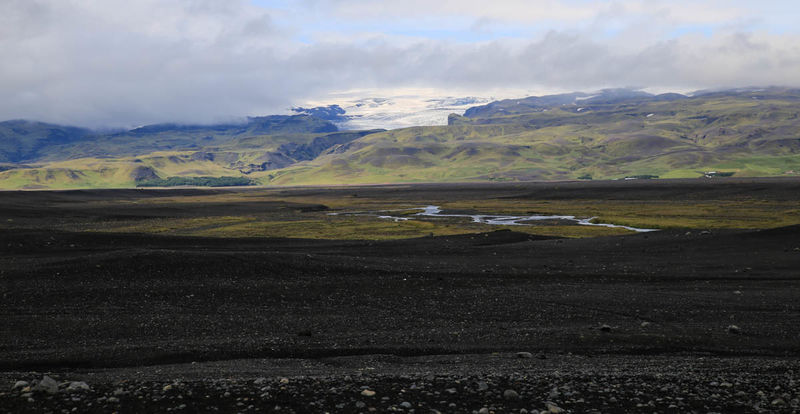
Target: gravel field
point(500, 321)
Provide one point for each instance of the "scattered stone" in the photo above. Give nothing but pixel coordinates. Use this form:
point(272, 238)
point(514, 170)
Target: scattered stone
point(733, 329)
point(19, 385)
point(554, 393)
point(284, 381)
point(524, 355)
point(483, 410)
point(76, 386)
point(359, 404)
point(368, 393)
point(510, 395)
point(645, 324)
point(405, 404)
point(47, 385)
point(605, 328)
point(482, 386)
point(553, 408)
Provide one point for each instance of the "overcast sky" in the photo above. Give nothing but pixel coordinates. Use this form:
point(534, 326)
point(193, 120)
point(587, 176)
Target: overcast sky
point(121, 63)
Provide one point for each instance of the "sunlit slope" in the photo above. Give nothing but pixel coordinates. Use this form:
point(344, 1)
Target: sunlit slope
point(611, 135)
point(748, 134)
point(243, 157)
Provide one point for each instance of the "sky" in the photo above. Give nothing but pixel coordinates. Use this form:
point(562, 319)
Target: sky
point(124, 63)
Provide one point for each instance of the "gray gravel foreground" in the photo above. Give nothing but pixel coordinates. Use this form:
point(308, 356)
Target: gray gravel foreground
point(500, 383)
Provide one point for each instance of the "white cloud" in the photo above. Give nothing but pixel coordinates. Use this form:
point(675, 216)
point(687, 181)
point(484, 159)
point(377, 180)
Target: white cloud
point(115, 63)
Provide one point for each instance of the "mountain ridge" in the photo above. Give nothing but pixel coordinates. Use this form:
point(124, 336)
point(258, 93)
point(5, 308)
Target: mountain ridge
point(612, 133)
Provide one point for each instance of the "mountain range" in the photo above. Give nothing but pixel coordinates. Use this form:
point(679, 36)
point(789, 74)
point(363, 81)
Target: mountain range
point(609, 134)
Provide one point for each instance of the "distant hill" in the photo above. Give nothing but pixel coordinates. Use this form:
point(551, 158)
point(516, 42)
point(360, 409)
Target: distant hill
point(52, 156)
point(25, 140)
point(610, 134)
point(540, 103)
point(607, 135)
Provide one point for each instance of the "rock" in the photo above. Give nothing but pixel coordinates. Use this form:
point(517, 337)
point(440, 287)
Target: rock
point(552, 408)
point(260, 381)
point(359, 404)
point(284, 380)
point(113, 400)
point(510, 395)
point(605, 328)
point(483, 410)
point(524, 355)
point(76, 386)
point(47, 385)
point(19, 385)
point(482, 386)
point(554, 393)
point(405, 404)
point(368, 393)
point(733, 329)
point(705, 233)
point(645, 324)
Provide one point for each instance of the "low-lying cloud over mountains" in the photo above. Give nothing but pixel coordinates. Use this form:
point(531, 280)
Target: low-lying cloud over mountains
point(111, 63)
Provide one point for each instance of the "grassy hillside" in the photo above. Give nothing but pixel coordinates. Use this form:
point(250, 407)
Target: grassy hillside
point(610, 135)
point(744, 133)
point(24, 140)
point(171, 137)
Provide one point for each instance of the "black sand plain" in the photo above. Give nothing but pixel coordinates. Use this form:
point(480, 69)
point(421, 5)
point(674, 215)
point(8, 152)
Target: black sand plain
point(500, 321)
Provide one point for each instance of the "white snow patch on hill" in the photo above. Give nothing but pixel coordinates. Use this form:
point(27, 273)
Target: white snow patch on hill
point(408, 108)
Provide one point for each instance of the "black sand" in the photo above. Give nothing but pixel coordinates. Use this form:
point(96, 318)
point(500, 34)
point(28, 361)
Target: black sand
point(672, 321)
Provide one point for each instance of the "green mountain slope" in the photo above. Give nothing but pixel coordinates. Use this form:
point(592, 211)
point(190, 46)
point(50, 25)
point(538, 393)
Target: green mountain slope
point(742, 132)
point(24, 140)
point(162, 151)
point(607, 135)
point(171, 137)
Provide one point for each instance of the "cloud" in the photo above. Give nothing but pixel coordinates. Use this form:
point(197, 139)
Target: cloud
point(114, 63)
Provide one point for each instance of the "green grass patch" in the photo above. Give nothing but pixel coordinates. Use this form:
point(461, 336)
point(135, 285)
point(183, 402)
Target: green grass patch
point(196, 181)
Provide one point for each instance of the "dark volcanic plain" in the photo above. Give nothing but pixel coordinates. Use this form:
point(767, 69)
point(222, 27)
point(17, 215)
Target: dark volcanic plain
point(672, 321)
